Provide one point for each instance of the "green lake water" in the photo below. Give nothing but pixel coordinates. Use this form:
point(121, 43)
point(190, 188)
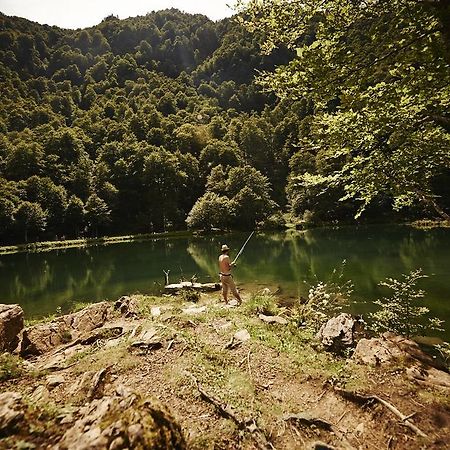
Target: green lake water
point(293, 261)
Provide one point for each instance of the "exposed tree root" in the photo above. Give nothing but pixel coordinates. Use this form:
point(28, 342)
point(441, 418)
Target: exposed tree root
point(362, 399)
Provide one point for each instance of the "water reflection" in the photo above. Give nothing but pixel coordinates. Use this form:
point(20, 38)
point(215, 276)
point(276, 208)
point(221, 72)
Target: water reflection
point(41, 282)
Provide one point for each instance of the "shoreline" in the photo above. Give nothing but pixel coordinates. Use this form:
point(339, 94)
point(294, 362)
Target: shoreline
point(36, 247)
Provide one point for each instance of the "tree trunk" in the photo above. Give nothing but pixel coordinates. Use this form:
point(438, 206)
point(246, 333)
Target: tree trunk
point(430, 202)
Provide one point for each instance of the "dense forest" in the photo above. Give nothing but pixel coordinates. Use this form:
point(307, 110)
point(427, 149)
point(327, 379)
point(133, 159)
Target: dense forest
point(159, 123)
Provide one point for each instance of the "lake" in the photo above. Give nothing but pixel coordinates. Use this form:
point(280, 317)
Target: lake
point(291, 262)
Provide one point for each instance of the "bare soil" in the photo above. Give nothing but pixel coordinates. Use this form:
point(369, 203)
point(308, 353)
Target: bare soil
point(280, 387)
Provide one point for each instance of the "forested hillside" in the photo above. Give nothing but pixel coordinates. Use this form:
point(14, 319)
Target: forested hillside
point(156, 123)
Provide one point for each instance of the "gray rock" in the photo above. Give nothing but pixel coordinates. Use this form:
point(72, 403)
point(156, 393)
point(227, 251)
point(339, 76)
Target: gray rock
point(54, 380)
point(388, 348)
point(110, 422)
point(340, 332)
point(89, 318)
point(11, 324)
point(273, 319)
point(429, 376)
point(10, 412)
point(127, 306)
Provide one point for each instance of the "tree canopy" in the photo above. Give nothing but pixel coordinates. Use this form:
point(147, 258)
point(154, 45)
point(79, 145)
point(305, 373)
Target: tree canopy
point(378, 74)
point(149, 123)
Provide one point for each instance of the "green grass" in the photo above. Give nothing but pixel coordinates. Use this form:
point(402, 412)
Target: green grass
point(10, 367)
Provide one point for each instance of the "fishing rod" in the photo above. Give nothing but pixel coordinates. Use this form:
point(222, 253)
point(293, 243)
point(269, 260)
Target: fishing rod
point(242, 248)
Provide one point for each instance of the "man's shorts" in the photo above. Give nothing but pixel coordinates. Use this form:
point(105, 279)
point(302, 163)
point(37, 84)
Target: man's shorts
point(228, 285)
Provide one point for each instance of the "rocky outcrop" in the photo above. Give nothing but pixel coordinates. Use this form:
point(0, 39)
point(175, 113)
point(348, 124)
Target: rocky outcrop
point(390, 347)
point(10, 412)
point(123, 420)
point(11, 324)
point(39, 339)
point(429, 376)
point(89, 318)
point(340, 332)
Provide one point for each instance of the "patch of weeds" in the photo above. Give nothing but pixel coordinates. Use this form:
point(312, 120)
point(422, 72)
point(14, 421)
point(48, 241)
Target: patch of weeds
point(11, 367)
point(350, 376)
point(66, 337)
point(78, 306)
point(262, 303)
point(118, 355)
point(324, 299)
point(77, 357)
point(189, 295)
point(39, 320)
point(434, 396)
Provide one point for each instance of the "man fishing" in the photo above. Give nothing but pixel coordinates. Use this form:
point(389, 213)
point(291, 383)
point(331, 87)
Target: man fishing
point(226, 279)
point(225, 266)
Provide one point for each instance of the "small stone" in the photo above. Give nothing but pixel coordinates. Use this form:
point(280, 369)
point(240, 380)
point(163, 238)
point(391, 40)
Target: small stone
point(193, 310)
point(117, 444)
point(54, 380)
point(321, 446)
point(242, 335)
point(273, 319)
point(40, 394)
point(155, 311)
point(359, 430)
point(136, 434)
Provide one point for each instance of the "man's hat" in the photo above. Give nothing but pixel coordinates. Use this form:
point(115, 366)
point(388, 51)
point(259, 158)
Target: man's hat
point(225, 247)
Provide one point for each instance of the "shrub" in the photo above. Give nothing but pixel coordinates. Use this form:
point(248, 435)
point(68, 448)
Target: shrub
point(400, 312)
point(324, 299)
point(262, 303)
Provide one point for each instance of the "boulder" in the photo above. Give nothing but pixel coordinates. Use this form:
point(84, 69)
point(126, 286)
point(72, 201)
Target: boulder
point(11, 324)
point(389, 348)
point(340, 332)
point(123, 420)
point(429, 376)
point(89, 318)
point(39, 339)
point(10, 412)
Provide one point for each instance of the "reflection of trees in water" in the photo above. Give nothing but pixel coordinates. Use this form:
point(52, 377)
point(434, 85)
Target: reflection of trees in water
point(31, 282)
point(204, 258)
point(41, 282)
point(371, 254)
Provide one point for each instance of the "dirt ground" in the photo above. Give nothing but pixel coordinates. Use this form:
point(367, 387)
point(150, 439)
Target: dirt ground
point(276, 389)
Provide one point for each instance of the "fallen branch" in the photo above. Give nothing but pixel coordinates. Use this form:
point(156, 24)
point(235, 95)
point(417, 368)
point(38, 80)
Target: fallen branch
point(361, 399)
point(313, 421)
point(227, 411)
